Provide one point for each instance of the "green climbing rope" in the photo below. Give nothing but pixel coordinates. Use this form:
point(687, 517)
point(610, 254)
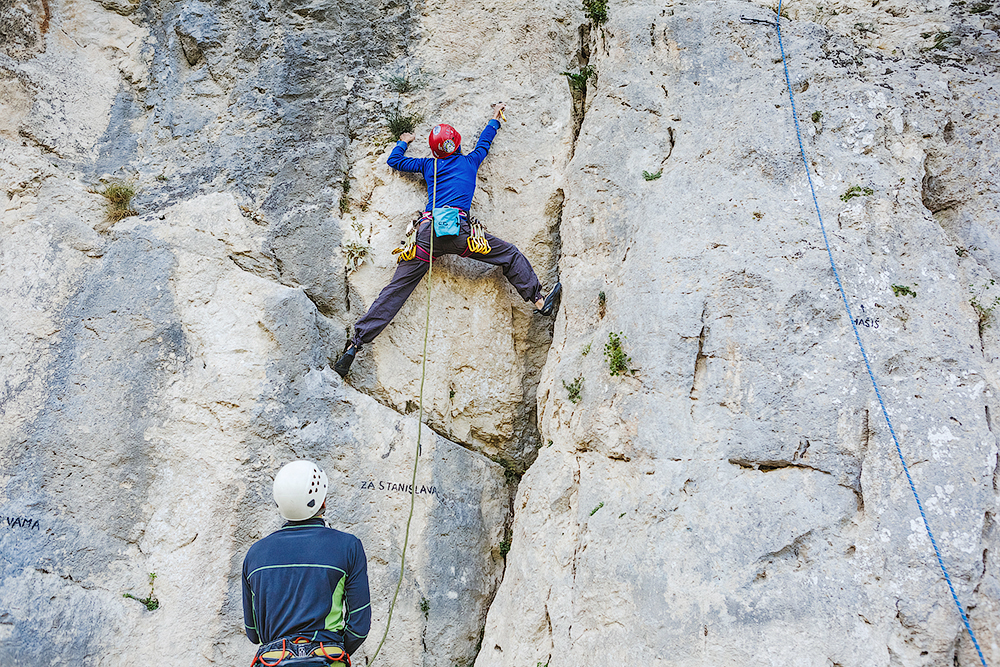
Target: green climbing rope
point(420, 423)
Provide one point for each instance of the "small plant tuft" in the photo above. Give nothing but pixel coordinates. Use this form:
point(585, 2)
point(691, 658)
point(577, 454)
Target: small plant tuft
point(816, 116)
point(401, 84)
point(903, 290)
point(510, 471)
point(578, 81)
point(757, 215)
point(602, 304)
point(400, 123)
point(618, 361)
point(596, 11)
point(345, 202)
point(983, 306)
point(118, 194)
point(574, 388)
point(942, 40)
point(152, 604)
point(652, 177)
point(856, 191)
point(356, 253)
point(504, 548)
point(586, 350)
point(599, 506)
point(979, 8)
point(425, 606)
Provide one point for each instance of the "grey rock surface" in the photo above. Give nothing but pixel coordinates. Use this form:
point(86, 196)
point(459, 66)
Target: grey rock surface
point(734, 497)
point(737, 499)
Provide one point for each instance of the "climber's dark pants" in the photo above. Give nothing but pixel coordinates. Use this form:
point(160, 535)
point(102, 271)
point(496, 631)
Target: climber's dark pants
point(516, 269)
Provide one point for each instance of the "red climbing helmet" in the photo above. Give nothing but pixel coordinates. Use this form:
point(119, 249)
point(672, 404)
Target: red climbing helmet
point(444, 140)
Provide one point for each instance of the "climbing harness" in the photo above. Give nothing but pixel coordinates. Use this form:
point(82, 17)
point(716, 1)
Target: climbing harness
point(477, 242)
point(299, 650)
point(864, 354)
point(420, 429)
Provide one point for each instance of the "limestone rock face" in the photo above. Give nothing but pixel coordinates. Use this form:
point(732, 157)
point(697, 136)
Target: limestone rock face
point(730, 495)
point(737, 498)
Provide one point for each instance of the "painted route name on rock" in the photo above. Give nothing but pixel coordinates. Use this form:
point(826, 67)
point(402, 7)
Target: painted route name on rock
point(382, 485)
point(22, 522)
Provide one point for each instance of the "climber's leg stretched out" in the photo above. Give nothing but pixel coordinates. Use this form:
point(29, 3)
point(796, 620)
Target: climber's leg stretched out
point(516, 269)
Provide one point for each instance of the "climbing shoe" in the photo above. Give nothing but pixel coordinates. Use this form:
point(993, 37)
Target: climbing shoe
point(343, 364)
point(550, 301)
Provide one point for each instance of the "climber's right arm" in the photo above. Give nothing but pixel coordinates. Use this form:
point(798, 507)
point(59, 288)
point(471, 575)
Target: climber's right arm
point(398, 160)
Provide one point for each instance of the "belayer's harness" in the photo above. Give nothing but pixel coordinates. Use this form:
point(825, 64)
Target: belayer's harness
point(292, 651)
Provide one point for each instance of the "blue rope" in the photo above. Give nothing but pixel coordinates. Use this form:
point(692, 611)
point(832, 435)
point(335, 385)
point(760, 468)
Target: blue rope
point(864, 354)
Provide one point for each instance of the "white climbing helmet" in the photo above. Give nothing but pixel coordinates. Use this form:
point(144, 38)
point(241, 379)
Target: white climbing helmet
point(299, 490)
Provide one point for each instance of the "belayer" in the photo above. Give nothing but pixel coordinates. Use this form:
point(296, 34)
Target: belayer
point(305, 586)
point(451, 182)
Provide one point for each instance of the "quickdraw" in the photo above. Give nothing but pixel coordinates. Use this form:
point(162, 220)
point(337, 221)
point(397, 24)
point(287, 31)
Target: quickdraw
point(409, 249)
point(477, 237)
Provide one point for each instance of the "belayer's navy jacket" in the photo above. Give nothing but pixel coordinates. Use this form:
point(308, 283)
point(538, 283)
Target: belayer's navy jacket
point(456, 174)
point(307, 580)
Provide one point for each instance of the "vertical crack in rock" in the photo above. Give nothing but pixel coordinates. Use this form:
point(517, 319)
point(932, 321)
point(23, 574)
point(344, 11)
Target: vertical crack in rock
point(700, 369)
point(548, 623)
point(579, 92)
point(996, 465)
point(672, 140)
point(533, 349)
point(700, 362)
point(347, 296)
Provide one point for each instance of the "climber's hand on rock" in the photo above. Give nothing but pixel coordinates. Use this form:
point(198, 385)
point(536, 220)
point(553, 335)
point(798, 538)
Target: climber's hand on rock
point(498, 111)
point(407, 137)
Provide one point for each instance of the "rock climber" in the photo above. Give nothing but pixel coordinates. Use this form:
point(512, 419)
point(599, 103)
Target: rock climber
point(451, 182)
point(305, 586)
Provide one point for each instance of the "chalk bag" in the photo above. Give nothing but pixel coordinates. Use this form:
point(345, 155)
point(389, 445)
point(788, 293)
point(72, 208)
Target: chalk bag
point(446, 221)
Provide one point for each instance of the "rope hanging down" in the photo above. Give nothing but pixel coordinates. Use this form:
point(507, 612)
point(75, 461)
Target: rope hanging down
point(420, 421)
point(864, 354)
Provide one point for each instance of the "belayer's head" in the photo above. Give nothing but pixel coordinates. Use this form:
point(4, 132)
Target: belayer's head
point(300, 490)
point(444, 140)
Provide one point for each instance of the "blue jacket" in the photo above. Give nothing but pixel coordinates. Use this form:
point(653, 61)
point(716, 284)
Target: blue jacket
point(307, 580)
point(456, 174)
